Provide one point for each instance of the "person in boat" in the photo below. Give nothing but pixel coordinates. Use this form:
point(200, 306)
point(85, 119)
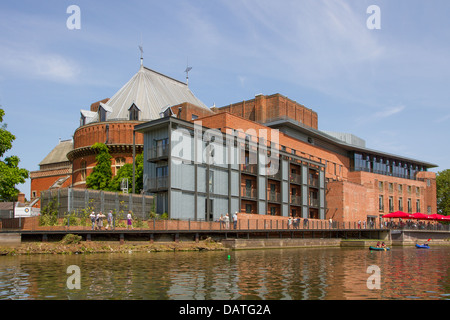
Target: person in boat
point(378, 244)
point(383, 245)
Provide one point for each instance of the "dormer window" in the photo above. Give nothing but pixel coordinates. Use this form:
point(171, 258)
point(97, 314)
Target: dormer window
point(86, 117)
point(133, 113)
point(101, 114)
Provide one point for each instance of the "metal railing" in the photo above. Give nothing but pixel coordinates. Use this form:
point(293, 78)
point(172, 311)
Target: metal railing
point(274, 197)
point(159, 183)
point(158, 152)
point(295, 178)
point(296, 200)
point(74, 224)
point(249, 193)
point(249, 168)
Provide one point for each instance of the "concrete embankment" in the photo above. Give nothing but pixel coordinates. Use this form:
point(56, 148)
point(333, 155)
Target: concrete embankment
point(245, 244)
point(10, 239)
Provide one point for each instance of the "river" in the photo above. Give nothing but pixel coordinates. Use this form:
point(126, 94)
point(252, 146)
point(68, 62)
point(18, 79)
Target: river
point(275, 274)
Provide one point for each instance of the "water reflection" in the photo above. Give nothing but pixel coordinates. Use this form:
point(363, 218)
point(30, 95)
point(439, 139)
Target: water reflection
point(298, 274)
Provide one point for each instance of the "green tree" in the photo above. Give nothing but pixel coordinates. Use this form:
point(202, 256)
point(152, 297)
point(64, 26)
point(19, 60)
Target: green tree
point(126, 171)
point(10, 173)
point(101, 175)
point(443, 192)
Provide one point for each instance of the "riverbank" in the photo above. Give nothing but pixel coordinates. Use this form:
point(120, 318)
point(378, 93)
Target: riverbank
point(86, 247)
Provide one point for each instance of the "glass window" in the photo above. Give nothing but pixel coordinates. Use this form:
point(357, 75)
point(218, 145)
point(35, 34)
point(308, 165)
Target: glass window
point(101, 114)
point(162, 171)
point(119, 164)
point(133, 113)
point(391, 204)
point(83, 170)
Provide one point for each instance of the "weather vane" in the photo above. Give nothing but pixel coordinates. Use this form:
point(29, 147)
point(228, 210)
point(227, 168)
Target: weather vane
point(187, 72)
point(142, 54)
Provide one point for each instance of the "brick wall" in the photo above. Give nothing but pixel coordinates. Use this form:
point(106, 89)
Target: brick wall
point(265, 108)
point(120, 132)
point(337, 165)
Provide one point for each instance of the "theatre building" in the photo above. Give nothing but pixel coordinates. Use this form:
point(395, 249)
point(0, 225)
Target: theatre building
point(319, 175)
point(263, 156)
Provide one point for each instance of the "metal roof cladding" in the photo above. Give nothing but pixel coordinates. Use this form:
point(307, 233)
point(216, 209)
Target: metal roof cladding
point(151, 92)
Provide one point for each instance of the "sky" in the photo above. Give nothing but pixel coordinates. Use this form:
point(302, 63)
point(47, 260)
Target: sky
point(388, 85)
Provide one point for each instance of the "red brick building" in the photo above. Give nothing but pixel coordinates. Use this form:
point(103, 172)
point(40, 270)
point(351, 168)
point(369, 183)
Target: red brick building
point(361, 184)
point(358, 183)
point(145, 97)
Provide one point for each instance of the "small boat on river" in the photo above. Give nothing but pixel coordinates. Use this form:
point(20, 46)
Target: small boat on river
point(422, 246)
point(379, 249)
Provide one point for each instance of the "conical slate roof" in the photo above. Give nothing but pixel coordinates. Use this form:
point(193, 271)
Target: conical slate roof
point(151, 92)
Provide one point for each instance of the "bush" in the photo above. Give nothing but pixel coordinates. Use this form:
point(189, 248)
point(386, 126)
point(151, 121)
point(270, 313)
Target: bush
point(49, 214)
point(71, 239)
point(71, 219)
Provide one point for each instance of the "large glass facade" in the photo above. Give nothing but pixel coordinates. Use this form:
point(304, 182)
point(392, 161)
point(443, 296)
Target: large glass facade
point(384, 165)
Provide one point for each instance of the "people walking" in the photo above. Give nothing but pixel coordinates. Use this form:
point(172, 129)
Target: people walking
point(129, 220)
point(222, 221)
point(93, 217)
point(100, 218)
point(235, 220)
point(227, 221)
point(109, 219)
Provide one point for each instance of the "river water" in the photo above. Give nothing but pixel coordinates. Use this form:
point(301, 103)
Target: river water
point(276, 274)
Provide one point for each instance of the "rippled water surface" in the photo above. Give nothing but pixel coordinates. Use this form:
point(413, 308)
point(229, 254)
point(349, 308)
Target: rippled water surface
point(308, 274)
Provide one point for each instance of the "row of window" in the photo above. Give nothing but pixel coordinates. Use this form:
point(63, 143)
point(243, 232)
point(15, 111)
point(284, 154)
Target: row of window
point(400, 205)
point(133, 114)
point(385, 166)
point(400, 189)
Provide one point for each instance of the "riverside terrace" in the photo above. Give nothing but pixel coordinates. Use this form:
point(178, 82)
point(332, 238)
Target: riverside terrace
point(247, 227)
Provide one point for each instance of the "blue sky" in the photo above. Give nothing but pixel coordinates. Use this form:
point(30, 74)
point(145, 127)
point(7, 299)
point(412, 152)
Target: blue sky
point(388, 86)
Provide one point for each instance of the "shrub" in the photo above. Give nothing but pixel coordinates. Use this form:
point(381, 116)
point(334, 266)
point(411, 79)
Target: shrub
point(71, 239)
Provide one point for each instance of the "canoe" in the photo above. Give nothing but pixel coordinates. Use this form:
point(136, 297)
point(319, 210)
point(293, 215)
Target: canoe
point(378, 249)
point(421, 246)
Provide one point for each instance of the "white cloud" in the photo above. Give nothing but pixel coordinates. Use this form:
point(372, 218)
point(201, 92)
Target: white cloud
point(31, 63)
point(388, 112)
point(318, 38)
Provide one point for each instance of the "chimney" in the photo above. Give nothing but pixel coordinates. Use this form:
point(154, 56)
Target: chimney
point(21, 198)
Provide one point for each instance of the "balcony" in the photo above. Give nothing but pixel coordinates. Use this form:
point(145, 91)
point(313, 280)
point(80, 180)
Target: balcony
point(158, 153)
point(296, 200)
point(249, 193)
point(274, 197)
point(276, 176)
point(313, 182)
point(295, 178)
point(157, 184)
point(313, 202)
point(249, 168)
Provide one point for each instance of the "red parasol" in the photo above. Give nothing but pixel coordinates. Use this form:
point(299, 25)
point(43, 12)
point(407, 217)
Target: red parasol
point(398, 214)
point(437, 217)
point(420, 216)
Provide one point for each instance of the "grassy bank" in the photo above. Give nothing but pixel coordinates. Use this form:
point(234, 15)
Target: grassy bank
point(85, 247)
